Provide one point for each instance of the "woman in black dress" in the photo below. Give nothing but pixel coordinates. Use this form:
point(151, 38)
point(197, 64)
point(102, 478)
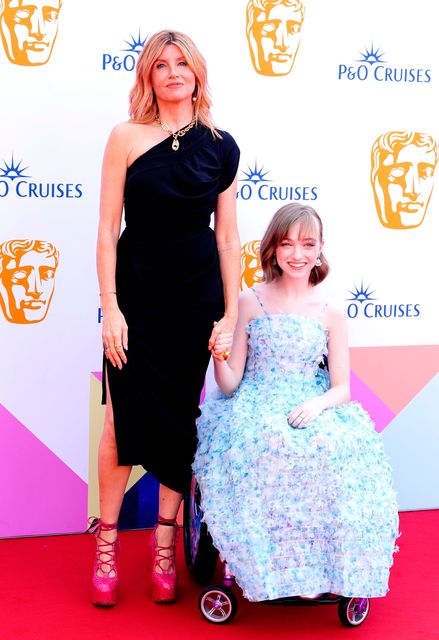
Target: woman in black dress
point(169, 288)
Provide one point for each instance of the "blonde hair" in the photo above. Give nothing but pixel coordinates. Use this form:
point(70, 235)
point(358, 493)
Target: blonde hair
point(310, 223)
point(143, 104)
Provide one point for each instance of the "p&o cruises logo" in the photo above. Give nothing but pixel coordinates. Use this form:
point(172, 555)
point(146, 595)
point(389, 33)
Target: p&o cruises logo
point(363, 304)
point(126, 58)
point(16, 179)
point(372, 66)
point(256, 184)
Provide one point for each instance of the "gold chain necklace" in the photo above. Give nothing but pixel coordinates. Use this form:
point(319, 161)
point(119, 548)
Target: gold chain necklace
point(178, 134)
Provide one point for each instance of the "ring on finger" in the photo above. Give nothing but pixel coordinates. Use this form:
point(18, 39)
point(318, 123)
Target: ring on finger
point(225, 355)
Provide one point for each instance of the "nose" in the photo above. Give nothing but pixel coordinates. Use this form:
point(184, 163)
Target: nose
point(37, 24)
point(412, 183)
point(296, 251)
point(282, 37)
point(173, 70)
point(35, 288)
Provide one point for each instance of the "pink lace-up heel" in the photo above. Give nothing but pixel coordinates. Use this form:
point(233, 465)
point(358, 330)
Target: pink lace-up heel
point(105, 583)
point(164, 570)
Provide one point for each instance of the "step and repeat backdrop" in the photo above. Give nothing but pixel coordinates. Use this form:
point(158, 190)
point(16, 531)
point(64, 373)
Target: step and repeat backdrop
point(333, 104)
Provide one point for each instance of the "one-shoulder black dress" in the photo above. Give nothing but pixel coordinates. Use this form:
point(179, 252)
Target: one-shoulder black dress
point(169, 289)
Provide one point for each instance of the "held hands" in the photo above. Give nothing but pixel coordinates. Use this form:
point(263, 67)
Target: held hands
point(115, 337)
point(220, 341)
point(305, 413)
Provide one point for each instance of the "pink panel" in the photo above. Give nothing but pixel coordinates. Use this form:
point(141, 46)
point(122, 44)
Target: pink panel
point(39, 494)
point(378, 411)
point(396, 374)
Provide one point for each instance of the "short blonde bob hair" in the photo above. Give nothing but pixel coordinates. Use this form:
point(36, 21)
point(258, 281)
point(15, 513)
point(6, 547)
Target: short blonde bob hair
point(143, 104)
point(310, 226)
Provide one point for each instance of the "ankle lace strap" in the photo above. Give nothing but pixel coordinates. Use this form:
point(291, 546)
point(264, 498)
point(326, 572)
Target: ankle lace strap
point(96, 526)
point(105, 551)
point(165, 553)
point(168, 522)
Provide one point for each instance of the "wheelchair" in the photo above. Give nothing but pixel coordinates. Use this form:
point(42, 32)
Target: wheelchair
point(218, 603)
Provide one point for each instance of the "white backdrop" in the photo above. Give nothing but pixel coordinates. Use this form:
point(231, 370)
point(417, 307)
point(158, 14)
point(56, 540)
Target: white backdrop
point(312, 130)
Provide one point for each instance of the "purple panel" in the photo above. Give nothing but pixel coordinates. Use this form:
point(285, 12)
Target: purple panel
point(39, 494)
point(378, 411)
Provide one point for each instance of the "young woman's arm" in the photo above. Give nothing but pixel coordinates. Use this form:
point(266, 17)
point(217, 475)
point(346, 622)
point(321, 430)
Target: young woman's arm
point(339, 372)
point(228, 373)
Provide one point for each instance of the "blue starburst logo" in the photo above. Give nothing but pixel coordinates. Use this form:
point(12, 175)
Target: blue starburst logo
point(371, 56)
point(255, 174)
point(136, 44)
point(12, 170)
point(361, 294)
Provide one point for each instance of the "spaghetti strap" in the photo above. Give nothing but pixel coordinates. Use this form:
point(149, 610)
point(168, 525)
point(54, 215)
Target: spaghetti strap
point(259, 300)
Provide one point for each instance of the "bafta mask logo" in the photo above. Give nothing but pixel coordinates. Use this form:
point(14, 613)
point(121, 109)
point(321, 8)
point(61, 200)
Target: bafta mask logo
point(273, 34)
point(403, 165)
point(29, 29)
point(27, 279)
point(251, 271)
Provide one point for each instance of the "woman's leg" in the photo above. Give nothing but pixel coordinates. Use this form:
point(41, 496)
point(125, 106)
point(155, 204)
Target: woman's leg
point(164, 571)
point(169, 503)
point(112, 480)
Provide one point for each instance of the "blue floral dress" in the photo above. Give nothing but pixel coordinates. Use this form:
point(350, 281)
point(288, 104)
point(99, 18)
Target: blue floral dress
point(294, 511)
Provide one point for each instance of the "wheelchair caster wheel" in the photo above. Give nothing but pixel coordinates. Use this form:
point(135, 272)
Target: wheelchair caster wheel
point(218, 604)
point(353, 611)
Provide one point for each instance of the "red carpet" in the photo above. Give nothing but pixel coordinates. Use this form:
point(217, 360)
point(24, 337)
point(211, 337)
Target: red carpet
point(44, 596)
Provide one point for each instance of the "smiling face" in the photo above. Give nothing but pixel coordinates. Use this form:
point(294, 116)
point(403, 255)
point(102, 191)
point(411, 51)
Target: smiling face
point(297, 253)
point(172, 79)
point(29, 30)
point(27, 287)
point(405, 180)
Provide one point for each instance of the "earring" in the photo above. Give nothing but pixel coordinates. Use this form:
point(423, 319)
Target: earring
point(318, 262)
point(195, 94)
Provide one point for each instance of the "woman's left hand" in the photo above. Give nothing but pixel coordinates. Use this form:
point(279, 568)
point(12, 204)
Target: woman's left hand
point(221, 338)
point(305, 413)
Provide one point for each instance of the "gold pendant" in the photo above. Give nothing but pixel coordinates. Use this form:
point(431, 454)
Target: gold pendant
point(175, 145)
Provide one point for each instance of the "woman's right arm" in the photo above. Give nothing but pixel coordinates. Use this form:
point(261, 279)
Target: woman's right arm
point(114, 330)
point(228, 373)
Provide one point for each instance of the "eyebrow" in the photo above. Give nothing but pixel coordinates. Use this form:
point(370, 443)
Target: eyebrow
point(165, 60)
point(300, 239)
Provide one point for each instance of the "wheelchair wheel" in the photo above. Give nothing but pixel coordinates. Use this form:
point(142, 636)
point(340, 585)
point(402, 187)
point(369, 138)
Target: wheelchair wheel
point(200, 554)
point(353, 611)
point(218, 604)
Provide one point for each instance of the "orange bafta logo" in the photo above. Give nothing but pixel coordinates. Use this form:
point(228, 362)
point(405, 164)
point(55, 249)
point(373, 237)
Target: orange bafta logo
point(402, 176)
point(273, 34)
point(27, 279)
point(29, 29)
point(251, 271)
